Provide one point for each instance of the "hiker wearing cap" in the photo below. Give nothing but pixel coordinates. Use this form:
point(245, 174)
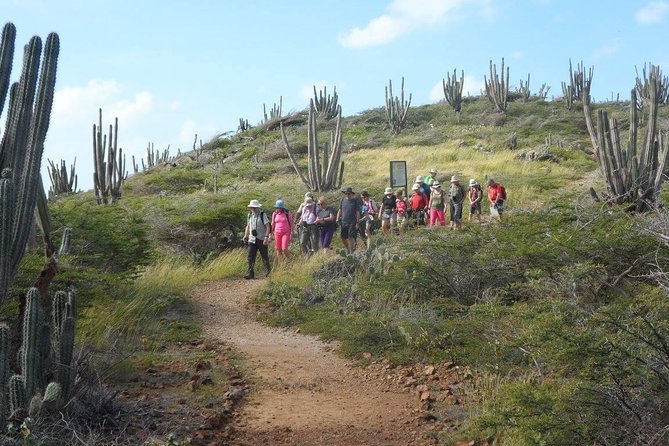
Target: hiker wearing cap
point(325, 221)
point(497, 197)
point(475, 197)
point(437, 205)
point(418, 204)
point(456, 198)
point(308, 228)
point(388, 211)
point(402, 206)
point(431, 177)
point(256, 235)
point(282, 228)
point(349, 216)
point(424, 187)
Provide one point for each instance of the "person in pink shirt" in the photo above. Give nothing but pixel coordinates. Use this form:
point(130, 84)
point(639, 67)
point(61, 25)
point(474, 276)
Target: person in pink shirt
point(282, 228)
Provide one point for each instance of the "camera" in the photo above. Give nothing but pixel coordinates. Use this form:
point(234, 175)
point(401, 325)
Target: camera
point(254, 233)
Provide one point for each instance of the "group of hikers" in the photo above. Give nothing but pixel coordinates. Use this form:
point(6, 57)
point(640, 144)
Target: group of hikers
point(315, 222)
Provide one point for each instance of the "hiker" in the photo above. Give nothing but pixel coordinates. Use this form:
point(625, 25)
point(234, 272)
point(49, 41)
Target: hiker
point(388, 211)
point(456, 198)
point(349, 216)
point(437, 205)
point(497, 197)
point(298, 217)
point(325, 221)
point(418, 205)
point(425, 188)
point(402, 206)
point(256, 236)
point(368, 209)
point(308, 228)
point(431, 177)
point(282, 229)
point(475, 197)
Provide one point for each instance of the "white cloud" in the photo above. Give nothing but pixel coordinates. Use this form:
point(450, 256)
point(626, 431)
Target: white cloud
point(605, 51)
point(654, 12)
point(472, 87)
point(401, 17)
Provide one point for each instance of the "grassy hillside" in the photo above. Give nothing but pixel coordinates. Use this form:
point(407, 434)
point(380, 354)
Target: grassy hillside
point(530, 310)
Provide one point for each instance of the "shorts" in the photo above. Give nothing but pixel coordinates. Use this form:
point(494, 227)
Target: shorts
point(455, 211)
point(389, 216)
point(348, 230)
point(475, 208)
point(499, 205)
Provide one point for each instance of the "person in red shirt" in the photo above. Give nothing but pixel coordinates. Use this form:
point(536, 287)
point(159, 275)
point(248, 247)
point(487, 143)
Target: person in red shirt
point(497, 197)
point(418, 203)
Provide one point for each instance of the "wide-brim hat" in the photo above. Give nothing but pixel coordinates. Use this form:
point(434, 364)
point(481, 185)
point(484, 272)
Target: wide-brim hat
point(389, 190)
point(433, 171)
point(280, 204)
point(309, 202)
point(419, 179)
point(347, 190)
point(454, 179)
point(436, 184)
point(472, 182)
point(254, 204)
point(415, 187)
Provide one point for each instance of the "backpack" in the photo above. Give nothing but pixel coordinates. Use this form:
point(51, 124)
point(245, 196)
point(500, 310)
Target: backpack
point(502, 192)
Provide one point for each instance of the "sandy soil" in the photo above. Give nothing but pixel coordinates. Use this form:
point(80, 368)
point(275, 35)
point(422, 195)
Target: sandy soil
point(301, 392)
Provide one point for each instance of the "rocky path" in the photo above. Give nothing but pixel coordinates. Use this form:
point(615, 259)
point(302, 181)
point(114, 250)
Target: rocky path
point(301, 392)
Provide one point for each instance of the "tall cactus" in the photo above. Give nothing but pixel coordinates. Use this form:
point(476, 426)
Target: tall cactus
point(61, 182)
point(30, 347)
point(579, 85)
point(4, 374)
point(396, 108)
point(324, 170)
point(28, 115)
point(633, 174)
point(453, 91)
point(497, 87)
point(108, 163)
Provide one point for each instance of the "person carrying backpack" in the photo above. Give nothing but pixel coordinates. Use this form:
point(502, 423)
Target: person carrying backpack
point(388, 211)
point(402, 206)
point(456, 197)
point(497, 197)
point(418, 205)
point(256, 236)
point(309, 234)
point(282, 228)
point(475, 197)
point(437, 205)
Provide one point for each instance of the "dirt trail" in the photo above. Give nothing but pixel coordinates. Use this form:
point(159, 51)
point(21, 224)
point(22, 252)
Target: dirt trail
point(302, 393)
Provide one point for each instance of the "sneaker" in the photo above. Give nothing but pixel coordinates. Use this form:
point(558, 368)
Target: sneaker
point(249, 276)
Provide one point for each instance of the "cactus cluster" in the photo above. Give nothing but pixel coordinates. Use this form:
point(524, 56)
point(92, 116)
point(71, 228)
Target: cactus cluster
point(643, 86)
point(579, 85)
point(325, 169)
point(61, 181)
point(453, 91)
point(497, 87)
point(109, 163)
point(244, 125)
point(22, 145)
point(396, 108)
point(153, 158)
point(634, 174)
point(326, 105)
point(44, 353)
point(274, 113)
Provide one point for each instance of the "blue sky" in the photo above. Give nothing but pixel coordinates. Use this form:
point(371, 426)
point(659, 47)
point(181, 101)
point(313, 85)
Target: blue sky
point(172, 69)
